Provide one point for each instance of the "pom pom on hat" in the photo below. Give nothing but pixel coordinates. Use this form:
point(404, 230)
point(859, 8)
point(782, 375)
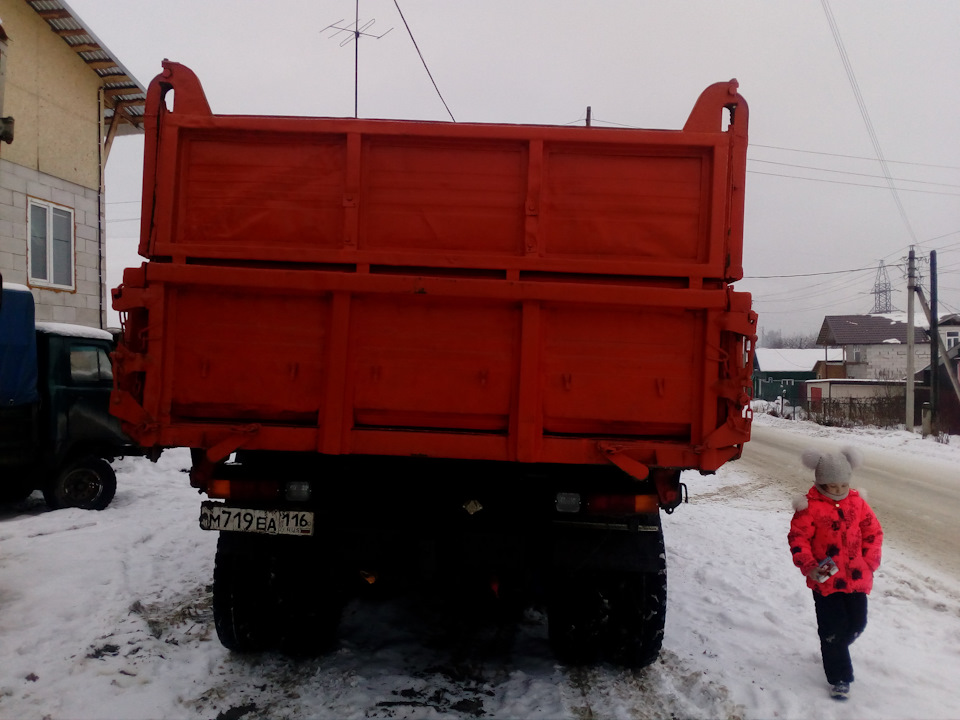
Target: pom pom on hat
point(832, 467)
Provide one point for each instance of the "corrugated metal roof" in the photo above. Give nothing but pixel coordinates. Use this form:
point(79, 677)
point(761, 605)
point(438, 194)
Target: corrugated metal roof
point(865, 330)
point(125, 96)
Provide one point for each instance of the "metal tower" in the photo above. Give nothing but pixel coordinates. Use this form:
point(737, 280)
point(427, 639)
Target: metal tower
point(881, 292)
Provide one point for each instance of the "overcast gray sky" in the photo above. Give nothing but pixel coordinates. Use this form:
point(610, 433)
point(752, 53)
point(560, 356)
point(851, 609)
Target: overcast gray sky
point(816, 201)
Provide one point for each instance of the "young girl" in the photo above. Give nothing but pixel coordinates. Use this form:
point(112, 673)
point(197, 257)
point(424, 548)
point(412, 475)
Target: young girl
point(835, 539)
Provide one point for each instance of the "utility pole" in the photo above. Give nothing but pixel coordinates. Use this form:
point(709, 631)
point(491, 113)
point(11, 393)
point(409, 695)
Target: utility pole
point(934, 348)
point(911, 281)
point(954, 381)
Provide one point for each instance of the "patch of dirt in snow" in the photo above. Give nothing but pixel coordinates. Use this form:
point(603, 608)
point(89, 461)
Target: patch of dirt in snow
point(153, 631)
point(401, 659)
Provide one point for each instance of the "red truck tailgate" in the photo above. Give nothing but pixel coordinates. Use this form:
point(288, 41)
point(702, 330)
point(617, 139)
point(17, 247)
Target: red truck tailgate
point(500, 292)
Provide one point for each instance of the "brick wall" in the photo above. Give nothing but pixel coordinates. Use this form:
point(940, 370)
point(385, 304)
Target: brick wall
point(83, 304)
point(887, 361)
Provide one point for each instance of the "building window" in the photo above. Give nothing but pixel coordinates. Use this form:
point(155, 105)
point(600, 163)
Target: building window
point(953, 338)
point(51, 244)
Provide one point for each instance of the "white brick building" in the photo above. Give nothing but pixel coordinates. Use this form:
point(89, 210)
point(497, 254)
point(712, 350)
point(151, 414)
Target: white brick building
point(874, 346)
point(68, 98)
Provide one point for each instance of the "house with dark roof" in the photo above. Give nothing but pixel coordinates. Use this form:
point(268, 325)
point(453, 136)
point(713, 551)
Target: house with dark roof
point(64, 97)
point(950, 330)
point(874, 346)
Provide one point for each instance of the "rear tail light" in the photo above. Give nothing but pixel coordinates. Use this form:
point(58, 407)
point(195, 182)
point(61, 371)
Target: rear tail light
point(242, 489)
point(621, 504)
point(607, 504)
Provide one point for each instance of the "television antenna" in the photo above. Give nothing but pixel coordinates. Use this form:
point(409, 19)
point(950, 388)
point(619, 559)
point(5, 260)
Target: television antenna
point(354, 31)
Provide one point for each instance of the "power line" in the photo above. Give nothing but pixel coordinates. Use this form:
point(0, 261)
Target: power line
point(848, 172)
point(843, 182)
point(830, 272)
point(429, 74)
point(861, 103)
point(853, 157)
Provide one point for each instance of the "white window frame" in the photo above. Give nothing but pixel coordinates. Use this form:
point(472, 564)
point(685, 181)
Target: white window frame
point(953, 338)
point(49, 209)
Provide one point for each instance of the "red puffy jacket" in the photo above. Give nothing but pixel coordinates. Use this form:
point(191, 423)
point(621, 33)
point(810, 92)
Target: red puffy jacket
point(846, 530)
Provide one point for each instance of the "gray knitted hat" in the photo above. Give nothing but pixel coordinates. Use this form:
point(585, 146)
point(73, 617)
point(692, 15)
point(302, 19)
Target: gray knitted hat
point(832, 467)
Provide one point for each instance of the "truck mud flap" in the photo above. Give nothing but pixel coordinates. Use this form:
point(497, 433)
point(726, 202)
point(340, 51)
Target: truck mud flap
point(634, 546)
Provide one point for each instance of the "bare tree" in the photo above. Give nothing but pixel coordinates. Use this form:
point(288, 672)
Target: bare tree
point(776, 339)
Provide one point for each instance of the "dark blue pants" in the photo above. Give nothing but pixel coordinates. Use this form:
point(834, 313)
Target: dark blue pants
point(841, 617)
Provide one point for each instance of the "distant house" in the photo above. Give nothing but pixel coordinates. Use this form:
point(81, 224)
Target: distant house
point(67, 97)
point(950, 330)
point(874, 346)
point(782, 372)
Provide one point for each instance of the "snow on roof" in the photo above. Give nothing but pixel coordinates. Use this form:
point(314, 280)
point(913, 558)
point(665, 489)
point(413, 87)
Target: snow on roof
point(919, 318)
point(15, 286)
point(69, 330)
point(790, 360)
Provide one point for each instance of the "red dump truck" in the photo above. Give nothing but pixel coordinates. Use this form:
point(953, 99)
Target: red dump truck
point(422, 353)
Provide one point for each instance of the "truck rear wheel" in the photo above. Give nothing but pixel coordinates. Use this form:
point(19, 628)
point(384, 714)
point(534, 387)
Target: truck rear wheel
point(617, 615)
point(242, 607)
point(89, 484)
point(614, 616)
point(268, 593)
point(635, 632)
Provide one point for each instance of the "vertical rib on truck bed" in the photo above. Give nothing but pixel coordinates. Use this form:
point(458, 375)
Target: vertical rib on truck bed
point(499, 292)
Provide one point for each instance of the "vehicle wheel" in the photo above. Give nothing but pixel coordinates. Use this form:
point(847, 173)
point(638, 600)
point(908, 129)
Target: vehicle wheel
point(615, 615)
point(637, 612)
point(269, 593)
point(89, 484)
point(576, 615)
point(243, 603)
point(309, 602)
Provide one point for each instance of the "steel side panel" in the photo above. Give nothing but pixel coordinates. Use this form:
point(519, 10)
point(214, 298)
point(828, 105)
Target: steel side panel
point(435, 368)
point(307, 190)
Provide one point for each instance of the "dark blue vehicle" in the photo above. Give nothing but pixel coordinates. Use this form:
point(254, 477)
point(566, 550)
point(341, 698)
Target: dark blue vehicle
point(56, 431)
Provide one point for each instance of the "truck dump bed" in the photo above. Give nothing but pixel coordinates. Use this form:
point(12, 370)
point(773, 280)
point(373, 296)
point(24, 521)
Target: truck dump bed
point(496, 292)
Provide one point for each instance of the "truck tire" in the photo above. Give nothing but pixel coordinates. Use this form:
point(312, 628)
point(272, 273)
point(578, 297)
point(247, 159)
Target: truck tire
point(309, 603)
point(243, 607)
point(89, 484)
point(576, 615)
point(617, 615)
point(637, 612)
point(268, 593)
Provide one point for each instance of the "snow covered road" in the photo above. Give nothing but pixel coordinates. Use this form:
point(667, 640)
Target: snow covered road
point(108, 615)
point(916, 494)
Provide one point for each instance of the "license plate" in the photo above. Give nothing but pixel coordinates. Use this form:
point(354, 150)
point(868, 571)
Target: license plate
point(217, 516)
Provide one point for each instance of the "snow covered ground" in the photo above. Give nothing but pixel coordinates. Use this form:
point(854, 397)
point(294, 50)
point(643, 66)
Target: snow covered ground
point(108, 615)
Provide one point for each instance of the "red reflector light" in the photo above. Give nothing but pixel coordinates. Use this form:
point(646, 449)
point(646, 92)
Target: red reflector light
point(219, 489)
point(242, 489)
point(621, 504)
